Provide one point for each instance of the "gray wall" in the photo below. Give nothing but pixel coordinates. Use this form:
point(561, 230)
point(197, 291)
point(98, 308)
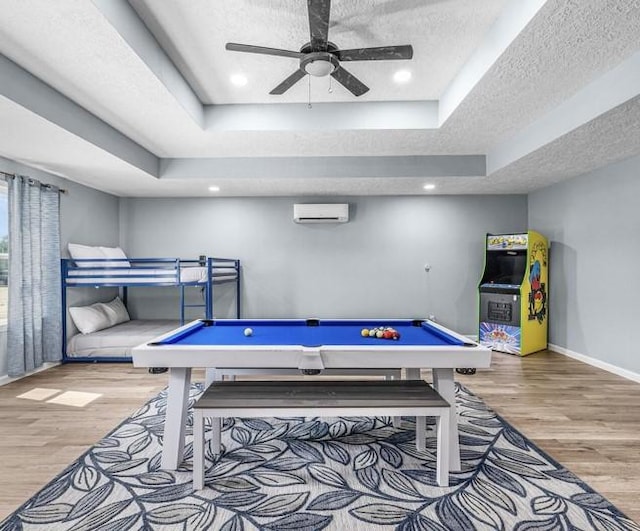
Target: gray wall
point(593, 222)
point(86, 216)
point(372, 266)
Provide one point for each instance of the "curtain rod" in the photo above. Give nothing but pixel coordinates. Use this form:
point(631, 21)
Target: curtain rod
point(44, 185)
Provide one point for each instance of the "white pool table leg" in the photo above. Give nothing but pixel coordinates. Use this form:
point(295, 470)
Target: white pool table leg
point(176, 417)
point(198, 450)
point(442, 456)
point(412, 374)
point(395, 421)
point(444, 384)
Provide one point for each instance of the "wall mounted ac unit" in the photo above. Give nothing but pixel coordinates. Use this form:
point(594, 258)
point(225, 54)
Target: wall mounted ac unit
point(321, 213)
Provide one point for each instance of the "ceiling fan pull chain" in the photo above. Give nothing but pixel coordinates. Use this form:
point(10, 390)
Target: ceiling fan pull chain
point(330, 87)
point(309, 104)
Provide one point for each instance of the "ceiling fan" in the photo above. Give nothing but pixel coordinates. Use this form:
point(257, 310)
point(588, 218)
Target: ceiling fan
point(319, 57)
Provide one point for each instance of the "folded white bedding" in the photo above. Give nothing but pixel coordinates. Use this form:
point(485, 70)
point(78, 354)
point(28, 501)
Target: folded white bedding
point(135, 275)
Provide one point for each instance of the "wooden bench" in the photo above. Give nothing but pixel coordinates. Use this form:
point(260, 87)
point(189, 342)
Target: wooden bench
point(247, 399)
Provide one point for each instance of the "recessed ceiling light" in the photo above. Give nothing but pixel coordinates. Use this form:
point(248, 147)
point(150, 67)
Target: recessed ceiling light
point(239, 80)
point(429, 186)
point(402, 76)
point(214, 188)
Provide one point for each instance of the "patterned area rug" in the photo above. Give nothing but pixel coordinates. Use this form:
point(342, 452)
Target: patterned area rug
point(311, 474)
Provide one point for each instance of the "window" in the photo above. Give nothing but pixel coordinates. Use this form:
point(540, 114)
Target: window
point(4, 252)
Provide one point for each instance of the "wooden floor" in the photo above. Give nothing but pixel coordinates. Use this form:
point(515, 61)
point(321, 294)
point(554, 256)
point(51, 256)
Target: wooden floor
point(587, 419)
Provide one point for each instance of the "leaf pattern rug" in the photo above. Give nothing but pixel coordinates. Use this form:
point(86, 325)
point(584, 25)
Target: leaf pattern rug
point(318, 473)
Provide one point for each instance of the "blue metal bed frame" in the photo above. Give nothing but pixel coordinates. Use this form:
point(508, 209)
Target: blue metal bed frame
point(149, 272)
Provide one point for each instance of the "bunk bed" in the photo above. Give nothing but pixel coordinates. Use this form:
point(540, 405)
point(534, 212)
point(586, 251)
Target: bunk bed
point(105, 331)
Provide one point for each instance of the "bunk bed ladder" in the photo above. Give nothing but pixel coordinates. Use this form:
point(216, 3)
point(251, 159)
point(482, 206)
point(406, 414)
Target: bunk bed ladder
point(211, 265)
point(184, 305)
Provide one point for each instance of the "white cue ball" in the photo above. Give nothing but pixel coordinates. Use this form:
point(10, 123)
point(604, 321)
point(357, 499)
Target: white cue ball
point(248, 331)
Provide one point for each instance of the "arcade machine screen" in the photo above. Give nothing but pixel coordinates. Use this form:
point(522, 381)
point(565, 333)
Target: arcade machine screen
point(505, 268)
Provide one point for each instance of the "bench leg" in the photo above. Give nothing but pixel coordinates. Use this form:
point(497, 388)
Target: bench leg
point(216, 427)
point(421, 434)
point(198, 450)
point(443, 450)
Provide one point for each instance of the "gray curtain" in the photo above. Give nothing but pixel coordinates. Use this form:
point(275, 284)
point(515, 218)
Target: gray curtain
point(34, 306)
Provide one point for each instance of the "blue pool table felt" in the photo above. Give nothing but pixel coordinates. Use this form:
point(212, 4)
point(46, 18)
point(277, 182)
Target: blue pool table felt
point(298, 332)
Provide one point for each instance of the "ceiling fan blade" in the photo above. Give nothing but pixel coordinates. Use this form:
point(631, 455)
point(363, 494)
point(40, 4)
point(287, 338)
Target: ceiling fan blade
point(380, 53)
point(349, 81)
point(319, 13)
point(248, 48)
point(289, 82)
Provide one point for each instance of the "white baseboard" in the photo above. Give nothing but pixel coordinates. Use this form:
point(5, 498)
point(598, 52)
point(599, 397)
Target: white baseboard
point(8, 379)
point(629, 375)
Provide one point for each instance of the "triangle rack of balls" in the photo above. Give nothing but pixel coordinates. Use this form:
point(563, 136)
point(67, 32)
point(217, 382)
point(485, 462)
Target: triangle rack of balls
point(382, 332)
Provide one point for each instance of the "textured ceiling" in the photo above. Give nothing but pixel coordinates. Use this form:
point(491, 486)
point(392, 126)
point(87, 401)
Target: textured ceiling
point(141, 67)
point(443, 36)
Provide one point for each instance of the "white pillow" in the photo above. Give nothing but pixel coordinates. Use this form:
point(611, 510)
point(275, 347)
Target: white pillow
point(115, 252)
point(90, 318)
point(116, 311)
point(78, 251)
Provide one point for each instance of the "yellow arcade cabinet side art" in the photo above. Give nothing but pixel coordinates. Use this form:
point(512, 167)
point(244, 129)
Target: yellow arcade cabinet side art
point(514, 293)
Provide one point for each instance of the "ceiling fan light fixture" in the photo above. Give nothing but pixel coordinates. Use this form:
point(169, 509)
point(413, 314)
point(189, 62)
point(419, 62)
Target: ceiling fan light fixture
point(318, 64)
point(319, 68)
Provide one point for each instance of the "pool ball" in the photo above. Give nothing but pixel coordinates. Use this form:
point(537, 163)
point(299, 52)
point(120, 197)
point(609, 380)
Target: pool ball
point(365, 332)
point(248, 332)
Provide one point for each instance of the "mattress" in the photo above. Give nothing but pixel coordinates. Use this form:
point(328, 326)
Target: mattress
point(137, 275)
point(117, 341)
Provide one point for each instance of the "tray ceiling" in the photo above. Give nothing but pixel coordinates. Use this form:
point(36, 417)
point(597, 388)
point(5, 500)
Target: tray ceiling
point(134, 98)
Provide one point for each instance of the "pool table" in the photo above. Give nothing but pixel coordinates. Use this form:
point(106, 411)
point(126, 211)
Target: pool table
point(310, 345)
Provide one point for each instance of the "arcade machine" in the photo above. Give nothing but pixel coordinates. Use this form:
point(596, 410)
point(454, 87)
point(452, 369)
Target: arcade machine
point(514, 293)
